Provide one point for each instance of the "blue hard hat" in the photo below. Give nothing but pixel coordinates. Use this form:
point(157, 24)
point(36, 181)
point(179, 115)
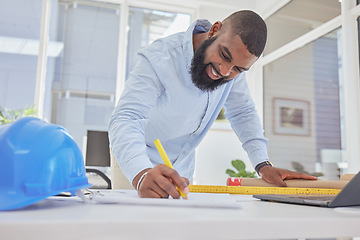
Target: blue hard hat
point(37, 160)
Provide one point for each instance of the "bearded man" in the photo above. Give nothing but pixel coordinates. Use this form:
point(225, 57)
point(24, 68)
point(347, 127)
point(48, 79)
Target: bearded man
point(175, 92)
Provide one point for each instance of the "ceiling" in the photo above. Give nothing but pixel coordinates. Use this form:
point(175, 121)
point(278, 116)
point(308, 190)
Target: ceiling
point(319, 11)
point(226, 4)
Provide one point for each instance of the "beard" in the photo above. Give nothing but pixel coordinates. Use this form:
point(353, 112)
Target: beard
point(198, 69)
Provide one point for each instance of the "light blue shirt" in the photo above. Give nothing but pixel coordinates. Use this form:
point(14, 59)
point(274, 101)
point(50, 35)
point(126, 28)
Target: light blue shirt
point(160, 101)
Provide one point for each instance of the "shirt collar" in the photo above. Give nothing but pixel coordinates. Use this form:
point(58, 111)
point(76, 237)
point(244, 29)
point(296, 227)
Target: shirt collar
point(188, 40)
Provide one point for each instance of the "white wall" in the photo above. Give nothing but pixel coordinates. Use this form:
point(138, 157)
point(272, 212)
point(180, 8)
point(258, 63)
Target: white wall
point(214, 156)
point(214, 13)
point(217, 11)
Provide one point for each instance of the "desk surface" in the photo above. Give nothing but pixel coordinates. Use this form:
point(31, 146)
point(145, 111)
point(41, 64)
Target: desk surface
point(54, 219)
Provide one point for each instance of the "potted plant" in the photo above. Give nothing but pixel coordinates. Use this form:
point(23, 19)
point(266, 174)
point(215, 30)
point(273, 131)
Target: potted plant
point(240, 166)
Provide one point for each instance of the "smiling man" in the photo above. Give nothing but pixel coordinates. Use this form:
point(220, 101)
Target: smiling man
point(175, 92)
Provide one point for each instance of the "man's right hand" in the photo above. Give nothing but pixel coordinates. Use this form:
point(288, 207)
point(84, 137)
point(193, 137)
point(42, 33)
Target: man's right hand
point(161, 182)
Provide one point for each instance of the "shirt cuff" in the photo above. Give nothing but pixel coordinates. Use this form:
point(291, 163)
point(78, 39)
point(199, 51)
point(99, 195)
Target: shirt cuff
point(258, 156)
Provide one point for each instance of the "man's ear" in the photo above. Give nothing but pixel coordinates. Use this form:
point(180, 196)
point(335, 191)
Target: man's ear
point(215, 28)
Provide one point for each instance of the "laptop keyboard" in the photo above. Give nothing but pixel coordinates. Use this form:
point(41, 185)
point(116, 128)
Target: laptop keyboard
point(315, 197)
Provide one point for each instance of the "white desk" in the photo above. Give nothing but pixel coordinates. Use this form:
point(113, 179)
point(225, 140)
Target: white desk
point(54, 219)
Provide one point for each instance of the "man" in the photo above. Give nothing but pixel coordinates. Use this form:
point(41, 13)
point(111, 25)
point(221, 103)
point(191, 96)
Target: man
point(175, 92)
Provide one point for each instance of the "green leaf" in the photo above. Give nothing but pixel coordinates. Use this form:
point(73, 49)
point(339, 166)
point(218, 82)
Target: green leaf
point(243, 173)
point(231, 173)
point(238, 164)
point(8, 116)
point(252, 174)
point(31, 111)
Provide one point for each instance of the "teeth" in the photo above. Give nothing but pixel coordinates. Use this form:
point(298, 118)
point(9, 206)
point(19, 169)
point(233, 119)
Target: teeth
point(214, 72)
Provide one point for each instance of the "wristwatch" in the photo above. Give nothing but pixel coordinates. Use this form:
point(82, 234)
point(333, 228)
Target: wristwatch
point(261, 165)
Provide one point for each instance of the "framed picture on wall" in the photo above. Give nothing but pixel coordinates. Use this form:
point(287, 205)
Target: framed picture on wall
point(291, 116)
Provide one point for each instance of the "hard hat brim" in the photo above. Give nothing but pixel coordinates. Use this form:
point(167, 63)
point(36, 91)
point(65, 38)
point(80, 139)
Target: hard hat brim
point(20, 200)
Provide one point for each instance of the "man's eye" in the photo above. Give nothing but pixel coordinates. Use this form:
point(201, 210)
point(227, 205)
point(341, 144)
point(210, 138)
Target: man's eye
point(224, 56)
point(239, 70)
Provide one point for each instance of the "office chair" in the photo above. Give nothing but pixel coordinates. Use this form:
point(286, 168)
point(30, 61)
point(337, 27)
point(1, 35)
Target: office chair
point(102, 175)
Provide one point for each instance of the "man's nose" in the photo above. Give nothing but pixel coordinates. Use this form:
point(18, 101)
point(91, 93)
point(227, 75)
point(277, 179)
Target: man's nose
point(225, 69)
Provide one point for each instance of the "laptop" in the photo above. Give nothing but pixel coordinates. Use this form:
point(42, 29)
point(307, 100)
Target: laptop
point(349, 196)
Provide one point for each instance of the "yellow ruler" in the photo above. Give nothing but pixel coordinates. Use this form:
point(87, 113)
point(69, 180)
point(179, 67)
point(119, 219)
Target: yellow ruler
point(250, 190)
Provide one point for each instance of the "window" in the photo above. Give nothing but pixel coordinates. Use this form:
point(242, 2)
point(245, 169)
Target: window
point(303, 107)
point(84, 74)
point(19, 47)
point(146, 25)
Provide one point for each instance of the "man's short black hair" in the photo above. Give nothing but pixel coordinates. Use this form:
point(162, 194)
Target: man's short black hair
point(251, 28)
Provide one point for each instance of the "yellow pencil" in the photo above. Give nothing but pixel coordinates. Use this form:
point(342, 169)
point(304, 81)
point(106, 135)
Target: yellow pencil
point(167, 162)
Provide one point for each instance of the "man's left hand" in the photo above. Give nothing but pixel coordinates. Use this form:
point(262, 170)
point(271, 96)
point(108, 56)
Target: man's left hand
point(278, 175)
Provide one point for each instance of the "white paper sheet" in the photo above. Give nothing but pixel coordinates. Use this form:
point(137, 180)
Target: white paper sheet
point(130, 197)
